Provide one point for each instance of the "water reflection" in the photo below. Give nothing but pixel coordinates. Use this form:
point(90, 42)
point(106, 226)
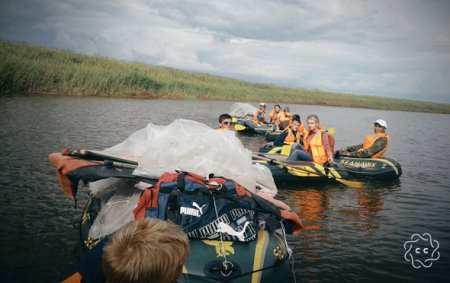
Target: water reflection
point(317, 206)
point(311, 205)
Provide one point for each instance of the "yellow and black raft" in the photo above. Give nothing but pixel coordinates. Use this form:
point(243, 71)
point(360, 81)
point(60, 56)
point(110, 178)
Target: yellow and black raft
point(246, 125)
point(344, 168)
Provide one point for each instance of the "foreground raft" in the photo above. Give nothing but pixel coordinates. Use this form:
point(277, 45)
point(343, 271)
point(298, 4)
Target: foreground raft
point(265, 259)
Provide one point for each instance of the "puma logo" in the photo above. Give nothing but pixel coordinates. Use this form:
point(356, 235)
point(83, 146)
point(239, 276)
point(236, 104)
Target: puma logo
point(225, 228)
point(200, 209)
point(197, 211)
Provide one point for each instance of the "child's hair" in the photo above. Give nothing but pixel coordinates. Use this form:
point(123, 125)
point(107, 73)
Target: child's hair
point(147, 250)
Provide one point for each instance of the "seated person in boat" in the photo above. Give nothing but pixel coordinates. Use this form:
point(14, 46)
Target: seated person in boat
point(293, 134)
point(374, 145)
point(316, 142)
point(275, 116)
point(146, 250)
point(260, 115)
point(286, 118)
point(225, 122)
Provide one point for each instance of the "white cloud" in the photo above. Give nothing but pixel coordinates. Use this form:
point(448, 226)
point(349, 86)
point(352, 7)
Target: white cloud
point(391, 48)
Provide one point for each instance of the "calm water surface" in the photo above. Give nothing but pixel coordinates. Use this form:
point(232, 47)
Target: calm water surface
point(352, 235)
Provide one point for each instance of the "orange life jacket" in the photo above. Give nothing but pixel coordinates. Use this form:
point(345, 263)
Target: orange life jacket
point(74, 278)
point(301, 129)
point(255, 117)
point(290, 138)
point(274, 116)
point(369, 140)
point(316, 146)
point(285, 116)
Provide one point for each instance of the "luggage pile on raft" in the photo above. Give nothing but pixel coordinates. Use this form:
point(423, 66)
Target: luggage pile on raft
point(236, 233)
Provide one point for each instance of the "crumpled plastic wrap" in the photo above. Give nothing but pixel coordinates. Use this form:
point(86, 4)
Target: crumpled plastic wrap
point(191, 146)
point(118, 200)
point(241, 110)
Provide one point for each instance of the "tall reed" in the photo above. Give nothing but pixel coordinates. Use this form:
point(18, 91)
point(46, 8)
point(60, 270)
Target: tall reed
point(29, 69)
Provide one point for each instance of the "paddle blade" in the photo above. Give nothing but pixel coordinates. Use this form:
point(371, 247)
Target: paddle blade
point(351, 184)
point(233, 120)
point(239, 127)
point(331, 131)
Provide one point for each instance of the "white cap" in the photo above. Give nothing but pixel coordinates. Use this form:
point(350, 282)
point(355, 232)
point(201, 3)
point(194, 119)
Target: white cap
point(262, 104)
point(381, 122)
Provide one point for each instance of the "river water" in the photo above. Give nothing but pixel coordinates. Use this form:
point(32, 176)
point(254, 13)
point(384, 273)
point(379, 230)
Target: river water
point(351, 235)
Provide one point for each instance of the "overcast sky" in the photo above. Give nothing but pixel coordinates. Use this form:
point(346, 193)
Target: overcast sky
point(393, 48)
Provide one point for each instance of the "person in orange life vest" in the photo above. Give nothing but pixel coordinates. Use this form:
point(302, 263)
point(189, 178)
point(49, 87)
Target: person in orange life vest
point(316, 144)
point(286, 118)
point(275, 116)
point(225, 122)
point(146, 250)
point(260, 115)
point(291, 135)
point(374, 145)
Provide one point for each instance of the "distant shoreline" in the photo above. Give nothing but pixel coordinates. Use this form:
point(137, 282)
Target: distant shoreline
point(36, 71)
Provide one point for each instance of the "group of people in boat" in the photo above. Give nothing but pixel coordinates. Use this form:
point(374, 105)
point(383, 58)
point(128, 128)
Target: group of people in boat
point(278, 119)
point(313, 143)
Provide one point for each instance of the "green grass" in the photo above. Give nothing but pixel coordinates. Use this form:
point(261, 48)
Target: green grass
point(29, 69)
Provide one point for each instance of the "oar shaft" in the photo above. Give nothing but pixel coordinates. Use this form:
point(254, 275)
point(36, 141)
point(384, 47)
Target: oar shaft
point(90, 155)
point(348, 183)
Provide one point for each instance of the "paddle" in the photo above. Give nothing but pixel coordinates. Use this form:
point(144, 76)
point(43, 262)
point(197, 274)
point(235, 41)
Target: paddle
point(109, 163)
point(331, 131)
point(90, 155)
point(352, 184)
point(239, 127)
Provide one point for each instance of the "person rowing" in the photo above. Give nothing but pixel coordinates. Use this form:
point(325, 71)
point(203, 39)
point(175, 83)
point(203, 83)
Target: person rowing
point(374, 145)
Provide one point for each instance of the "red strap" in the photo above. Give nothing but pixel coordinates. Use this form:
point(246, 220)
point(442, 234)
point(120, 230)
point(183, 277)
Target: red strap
point(290, 215)
point(64, 165)
point(144, 201)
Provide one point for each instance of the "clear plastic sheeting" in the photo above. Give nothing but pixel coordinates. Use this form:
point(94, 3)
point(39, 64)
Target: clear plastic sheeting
point(241, 110)
point(136, 144)
point(264, 180)
point(118, 200)
point(194, 147)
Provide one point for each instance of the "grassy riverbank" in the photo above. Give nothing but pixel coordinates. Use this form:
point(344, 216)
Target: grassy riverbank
point(31, 70)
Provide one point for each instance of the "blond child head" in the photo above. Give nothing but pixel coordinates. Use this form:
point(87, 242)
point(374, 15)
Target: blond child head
point(147, 250)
